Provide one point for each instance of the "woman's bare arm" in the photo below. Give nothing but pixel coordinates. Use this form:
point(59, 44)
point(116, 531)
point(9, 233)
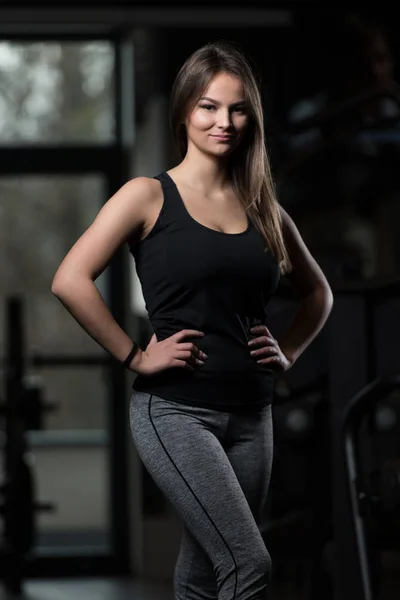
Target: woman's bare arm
point(120, 219)
point(311, 285)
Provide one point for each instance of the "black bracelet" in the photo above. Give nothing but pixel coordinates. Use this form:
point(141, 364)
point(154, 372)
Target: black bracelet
point(131, 354)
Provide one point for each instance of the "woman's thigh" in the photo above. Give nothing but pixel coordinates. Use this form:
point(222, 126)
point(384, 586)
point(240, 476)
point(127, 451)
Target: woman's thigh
point(182, 448)
point(249, 447)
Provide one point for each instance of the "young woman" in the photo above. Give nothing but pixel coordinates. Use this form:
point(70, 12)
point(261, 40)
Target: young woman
point(210, 242)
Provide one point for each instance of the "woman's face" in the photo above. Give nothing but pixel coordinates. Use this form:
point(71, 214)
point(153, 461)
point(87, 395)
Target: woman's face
point(220, 117)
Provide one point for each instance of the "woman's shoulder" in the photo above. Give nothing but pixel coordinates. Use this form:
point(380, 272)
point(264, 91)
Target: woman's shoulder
point(145, 199)
point(144, 191)
point(143, 185)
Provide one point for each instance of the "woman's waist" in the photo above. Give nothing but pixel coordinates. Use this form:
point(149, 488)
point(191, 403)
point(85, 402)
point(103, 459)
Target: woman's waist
point(228, 356)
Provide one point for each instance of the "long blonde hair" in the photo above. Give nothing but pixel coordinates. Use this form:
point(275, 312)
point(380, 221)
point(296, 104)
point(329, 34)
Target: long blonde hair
point(249, 163)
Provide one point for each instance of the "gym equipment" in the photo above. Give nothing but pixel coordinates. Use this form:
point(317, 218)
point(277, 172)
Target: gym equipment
point(374, 497)
point(346, 177)
point(342, 180)
point(363, 328)
point(298, 528)
point(22, 411)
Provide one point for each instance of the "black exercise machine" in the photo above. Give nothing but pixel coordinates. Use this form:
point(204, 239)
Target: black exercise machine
point(374, 496)
point(22, 411)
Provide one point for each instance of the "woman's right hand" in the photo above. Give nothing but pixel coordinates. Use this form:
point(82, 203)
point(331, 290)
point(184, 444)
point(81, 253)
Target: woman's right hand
point(171, 352)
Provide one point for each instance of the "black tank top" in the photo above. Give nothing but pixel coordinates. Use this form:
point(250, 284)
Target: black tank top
point(195, 277)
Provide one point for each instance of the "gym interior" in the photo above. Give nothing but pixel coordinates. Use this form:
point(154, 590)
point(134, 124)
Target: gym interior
point(83, 108)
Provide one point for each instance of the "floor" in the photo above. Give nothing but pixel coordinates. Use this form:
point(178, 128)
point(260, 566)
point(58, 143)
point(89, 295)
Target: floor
point(95, 589)
point(110, 589)
point(135, 589)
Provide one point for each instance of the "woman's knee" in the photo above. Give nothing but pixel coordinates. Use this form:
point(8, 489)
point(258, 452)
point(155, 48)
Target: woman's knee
point(263, 563)
point(248, 577)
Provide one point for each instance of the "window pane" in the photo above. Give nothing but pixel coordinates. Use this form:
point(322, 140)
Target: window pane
point(72, 473)
point(41, 218)
point(56, 92)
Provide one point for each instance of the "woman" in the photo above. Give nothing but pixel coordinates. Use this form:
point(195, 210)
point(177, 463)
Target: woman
point(210, 242)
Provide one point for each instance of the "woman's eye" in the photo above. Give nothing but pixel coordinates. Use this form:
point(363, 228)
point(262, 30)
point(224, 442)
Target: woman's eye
point(209, 107)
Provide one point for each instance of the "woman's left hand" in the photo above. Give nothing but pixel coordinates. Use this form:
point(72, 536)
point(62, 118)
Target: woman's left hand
point(269, 347)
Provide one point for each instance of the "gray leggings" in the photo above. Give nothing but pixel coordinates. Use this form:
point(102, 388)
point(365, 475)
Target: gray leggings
point(214, 467)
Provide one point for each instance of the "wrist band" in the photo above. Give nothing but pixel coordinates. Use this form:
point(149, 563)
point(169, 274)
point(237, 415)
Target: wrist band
point(131, 354)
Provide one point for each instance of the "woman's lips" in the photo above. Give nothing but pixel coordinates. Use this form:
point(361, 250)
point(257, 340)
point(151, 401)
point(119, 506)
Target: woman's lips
point(223, 138)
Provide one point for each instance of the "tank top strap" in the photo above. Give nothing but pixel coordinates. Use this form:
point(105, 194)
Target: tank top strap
point(173, 206)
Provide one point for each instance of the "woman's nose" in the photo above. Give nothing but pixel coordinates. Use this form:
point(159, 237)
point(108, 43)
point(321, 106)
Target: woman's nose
point(224, 119)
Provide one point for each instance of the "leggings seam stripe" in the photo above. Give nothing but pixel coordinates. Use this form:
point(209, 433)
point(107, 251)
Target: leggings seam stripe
point(193, 493)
